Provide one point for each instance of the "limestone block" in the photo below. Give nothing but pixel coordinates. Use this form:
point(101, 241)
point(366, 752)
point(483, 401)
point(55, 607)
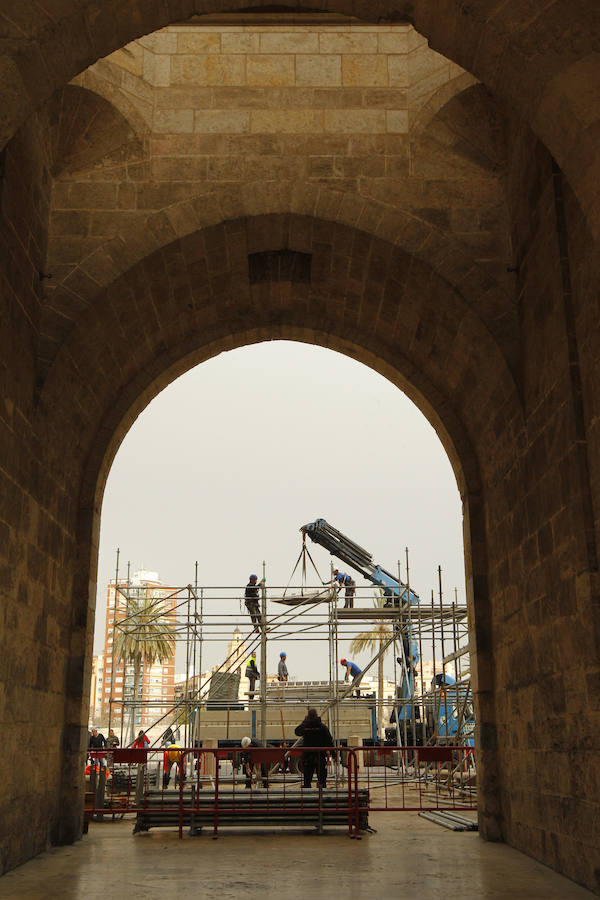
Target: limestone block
point(227, 168)
point(297, 97)
point(318, 70)
point(190, 168)
point(338, 98)
point(351, 42)
point(126, 195)
point(237, 98)
point(174, 121)
point(159, 42)
point(198, 42)
point(398, 71)
point(292, 42)
point(364, 69)
point(385, 98)
point(397, 121)
point(209, 764)
point(182, 97)
point(159, 73)
point(84, 195)
point(355, 120)
point(269, 70)
point(286, 121)
point(221, 121)
point(415, 40)
point(355, 740)
point(240, 43)
point(72, 222)
point(395, 42)
point(208, 70)
point(320, 166)
point(422, 62)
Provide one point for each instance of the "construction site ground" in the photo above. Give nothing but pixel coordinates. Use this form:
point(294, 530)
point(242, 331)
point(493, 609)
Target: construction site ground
point(408, 857)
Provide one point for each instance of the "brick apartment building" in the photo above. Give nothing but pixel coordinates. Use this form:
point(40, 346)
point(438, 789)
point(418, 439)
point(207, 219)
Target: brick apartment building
point(157, 681)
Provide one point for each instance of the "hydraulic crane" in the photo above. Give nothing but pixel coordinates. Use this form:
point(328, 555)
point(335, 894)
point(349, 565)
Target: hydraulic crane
point(394, 590)
point(449, 708)
point(396, 593)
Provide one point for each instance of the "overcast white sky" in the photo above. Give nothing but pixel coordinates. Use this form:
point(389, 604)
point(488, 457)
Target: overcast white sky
point(228, 462)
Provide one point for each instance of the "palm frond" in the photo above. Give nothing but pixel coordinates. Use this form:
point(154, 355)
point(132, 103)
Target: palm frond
point(146, 636)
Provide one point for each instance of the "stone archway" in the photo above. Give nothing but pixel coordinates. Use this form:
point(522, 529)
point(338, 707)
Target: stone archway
point(159, 319)
point(503, 362)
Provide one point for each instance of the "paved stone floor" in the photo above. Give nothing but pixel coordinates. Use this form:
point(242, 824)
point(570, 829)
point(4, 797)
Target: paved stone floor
point(407, 858)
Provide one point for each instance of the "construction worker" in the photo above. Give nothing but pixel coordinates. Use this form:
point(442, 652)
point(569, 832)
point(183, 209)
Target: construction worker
point(174, 765)
point(314, 733)
point(351, 670)
point(282, 672)
point(343, 580)
point(252, 674)
point(251, 597)
point(249, 767)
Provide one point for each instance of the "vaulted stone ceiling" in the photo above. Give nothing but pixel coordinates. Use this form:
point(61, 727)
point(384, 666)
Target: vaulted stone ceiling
point(198, 123)
point(540, 58)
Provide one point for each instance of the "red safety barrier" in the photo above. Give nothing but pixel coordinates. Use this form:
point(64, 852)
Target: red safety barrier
point(410, 779)
point(266, 786)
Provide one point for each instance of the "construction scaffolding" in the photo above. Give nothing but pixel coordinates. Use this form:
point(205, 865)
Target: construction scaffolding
point(432, 703)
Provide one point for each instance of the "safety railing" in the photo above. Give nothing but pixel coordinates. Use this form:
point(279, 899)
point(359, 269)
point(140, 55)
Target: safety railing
point(407, 779)
point(201, 788)
point(210, 788)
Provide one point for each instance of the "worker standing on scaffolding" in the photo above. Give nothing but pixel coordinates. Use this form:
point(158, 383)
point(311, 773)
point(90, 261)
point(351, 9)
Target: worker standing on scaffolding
point(251, 597)
point(343, 580)
point(282, 670)
point(252, 674)
point(352, 670)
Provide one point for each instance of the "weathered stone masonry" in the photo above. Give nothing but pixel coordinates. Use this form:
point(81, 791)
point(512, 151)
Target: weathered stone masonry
point(451, 220)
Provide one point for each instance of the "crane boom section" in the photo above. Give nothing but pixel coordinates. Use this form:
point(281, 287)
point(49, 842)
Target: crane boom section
point(321, 532)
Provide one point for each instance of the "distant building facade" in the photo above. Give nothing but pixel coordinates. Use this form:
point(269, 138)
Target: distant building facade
point(157, 681)
point(96, 687)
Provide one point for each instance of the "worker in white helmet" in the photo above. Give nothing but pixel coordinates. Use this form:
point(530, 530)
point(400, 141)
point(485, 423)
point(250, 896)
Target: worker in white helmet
point(250, 765)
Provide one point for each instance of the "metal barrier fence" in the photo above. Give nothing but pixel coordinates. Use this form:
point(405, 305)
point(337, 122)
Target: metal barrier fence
point(410, 779)
point(275, 786)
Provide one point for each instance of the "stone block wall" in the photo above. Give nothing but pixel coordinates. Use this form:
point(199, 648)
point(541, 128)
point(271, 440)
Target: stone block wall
point(33, 629)
point(152, 178)
point(229, 109)
point(542, 524)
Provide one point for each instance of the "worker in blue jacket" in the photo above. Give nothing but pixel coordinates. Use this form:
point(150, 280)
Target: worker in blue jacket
point(351, 670)
point(343, 580)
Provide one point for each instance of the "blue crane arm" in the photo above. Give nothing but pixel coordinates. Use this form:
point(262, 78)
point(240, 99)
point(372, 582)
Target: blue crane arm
point(321, 532)
point(396, 592)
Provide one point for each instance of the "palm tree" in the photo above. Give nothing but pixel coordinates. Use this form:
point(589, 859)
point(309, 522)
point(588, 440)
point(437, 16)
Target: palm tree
point(144, 637)
point(374, 641)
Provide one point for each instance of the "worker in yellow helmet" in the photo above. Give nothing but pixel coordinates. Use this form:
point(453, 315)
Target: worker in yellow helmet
point(252, 674)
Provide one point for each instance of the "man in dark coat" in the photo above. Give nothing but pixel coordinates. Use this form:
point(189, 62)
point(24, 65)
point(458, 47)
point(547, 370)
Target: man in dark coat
point(97, 741)
point(314, 733)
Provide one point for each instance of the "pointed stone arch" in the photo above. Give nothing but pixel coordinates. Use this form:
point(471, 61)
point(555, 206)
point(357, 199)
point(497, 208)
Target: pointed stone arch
point(193, 299)
point(404, 229)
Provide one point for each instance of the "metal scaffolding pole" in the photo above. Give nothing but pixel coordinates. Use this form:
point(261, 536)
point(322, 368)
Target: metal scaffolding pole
point(263, 659)
point(197, 625)
point(112, 665)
